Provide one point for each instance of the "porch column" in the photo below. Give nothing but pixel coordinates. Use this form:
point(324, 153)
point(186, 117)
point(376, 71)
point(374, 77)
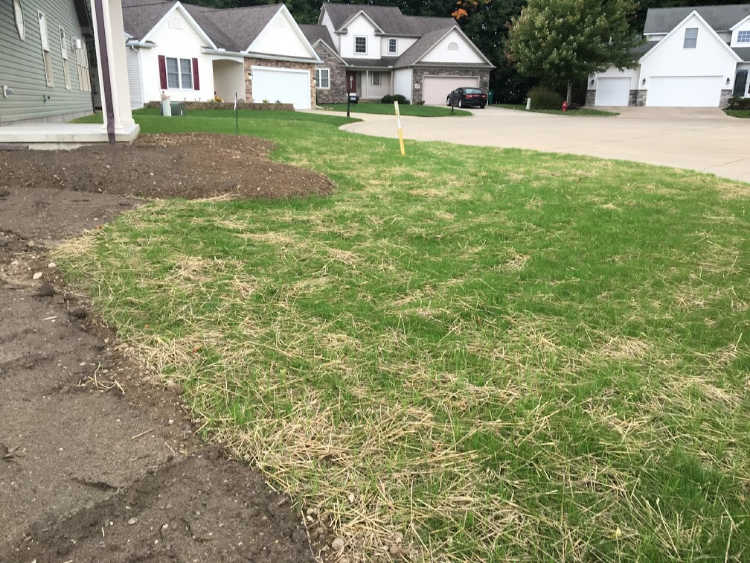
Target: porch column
point(109, 35)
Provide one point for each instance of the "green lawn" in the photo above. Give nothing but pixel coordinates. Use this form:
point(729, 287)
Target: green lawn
point(464, 354)
point(576, 112)
point(738, 112)
point(408, 109)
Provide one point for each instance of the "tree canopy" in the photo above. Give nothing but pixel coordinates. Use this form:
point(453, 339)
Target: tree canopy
point(565, 40)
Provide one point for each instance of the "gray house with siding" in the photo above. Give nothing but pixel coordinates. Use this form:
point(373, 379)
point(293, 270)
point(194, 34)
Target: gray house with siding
point(44, 60)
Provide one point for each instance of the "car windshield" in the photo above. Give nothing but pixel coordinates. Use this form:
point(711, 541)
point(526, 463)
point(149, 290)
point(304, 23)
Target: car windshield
point(472, 91)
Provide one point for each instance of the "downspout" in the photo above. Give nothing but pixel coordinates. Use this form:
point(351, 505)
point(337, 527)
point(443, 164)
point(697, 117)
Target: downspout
point(107, 102)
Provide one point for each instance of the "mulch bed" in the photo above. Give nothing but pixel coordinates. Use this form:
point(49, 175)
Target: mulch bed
point(191, 166)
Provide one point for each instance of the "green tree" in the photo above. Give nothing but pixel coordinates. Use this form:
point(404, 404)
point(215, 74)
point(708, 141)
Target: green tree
point(564, 40)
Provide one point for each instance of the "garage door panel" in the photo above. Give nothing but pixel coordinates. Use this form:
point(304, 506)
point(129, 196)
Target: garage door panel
point(285, 85)
point(435, 89)
point(684, 91)
point(612, 91)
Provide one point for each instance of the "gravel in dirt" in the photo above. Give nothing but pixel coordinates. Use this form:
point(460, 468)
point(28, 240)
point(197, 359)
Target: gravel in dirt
point(97, 462)
point(189, 165)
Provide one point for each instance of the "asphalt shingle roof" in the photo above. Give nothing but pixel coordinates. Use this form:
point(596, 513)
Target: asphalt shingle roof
point(316, 32)
point(233, 29)
point(743, 52)
point(388, 18)
point(721, 18)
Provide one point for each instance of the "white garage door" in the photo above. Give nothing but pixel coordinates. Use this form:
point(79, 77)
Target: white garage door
point(288, 86)
point(612, 91)
point(684, 91)
point(435, 89)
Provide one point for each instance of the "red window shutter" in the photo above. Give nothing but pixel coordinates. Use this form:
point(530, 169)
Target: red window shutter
point(163, 72)
point(196, 78)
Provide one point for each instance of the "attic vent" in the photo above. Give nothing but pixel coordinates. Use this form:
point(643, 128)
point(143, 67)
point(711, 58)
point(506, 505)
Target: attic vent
point(453, 46)
point(175, 22)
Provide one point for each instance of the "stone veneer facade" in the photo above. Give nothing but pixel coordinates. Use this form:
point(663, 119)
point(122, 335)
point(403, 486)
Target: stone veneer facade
point(336, 92)
point(420, 73)
point(250, 62)
point(638, 98)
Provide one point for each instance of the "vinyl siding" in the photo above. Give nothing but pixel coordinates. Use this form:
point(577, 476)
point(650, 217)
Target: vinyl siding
point(22, 67)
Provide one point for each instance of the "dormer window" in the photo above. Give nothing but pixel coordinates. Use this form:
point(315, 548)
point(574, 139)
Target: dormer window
point(691, 38)
point(392, 46)
point(743, 37)
point(360, 45)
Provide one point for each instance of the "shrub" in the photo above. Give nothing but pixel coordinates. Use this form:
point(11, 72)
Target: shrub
point(739, 103)
point(544, 98)
point(388, 99)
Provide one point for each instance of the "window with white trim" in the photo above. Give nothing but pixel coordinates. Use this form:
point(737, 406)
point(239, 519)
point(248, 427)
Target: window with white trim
point(46, 58)
point(64, 51)
point(179, 73)
point(18, 14)
point(691, 38)
point(360, 45)
point(323, 78)
point(375, 78)
point(82, 65)
point(392, 46)
point(743, 36)
point(186, 73)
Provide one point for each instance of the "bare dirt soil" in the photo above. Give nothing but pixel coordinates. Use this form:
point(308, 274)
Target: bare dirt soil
point(189, 165)
point(97, 464)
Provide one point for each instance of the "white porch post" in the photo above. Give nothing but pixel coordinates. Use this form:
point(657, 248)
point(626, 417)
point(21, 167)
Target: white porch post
point(112, 67)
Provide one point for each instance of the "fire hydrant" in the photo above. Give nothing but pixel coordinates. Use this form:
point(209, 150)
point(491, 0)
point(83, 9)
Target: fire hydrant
point(565, 105)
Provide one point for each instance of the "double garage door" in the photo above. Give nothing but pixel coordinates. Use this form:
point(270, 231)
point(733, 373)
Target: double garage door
point(663, 91)
point(286, 85)
point(435, 89)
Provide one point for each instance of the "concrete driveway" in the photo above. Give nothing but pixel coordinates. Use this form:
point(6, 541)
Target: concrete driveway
point(698, 139)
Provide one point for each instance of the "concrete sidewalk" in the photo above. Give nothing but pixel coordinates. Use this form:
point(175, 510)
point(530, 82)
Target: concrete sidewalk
point(706, 140)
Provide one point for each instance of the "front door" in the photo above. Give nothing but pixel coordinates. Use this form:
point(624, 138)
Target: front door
point(351, 82)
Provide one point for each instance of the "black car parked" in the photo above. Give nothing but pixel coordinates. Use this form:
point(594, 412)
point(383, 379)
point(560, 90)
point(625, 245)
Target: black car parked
point(467, 97)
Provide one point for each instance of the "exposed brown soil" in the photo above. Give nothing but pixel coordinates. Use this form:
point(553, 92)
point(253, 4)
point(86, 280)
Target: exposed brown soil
point(190, 165)
point(96, 463)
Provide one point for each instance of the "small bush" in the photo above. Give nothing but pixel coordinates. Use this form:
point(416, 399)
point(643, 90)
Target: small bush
point(544, 98)
point(739, 103)
point(388, 99)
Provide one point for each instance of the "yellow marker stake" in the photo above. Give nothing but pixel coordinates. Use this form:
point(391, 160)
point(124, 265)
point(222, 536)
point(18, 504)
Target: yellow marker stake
point(400, 130)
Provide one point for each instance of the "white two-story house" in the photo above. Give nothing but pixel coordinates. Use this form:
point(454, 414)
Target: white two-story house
point(375, 51)
point(692, 57)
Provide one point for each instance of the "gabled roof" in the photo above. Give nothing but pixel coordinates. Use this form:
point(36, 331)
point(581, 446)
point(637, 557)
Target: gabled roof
point(720, 18)
point(317, 33)
point(388, 18)
point(676, 27)
point(429, 40)
point(232, 29)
